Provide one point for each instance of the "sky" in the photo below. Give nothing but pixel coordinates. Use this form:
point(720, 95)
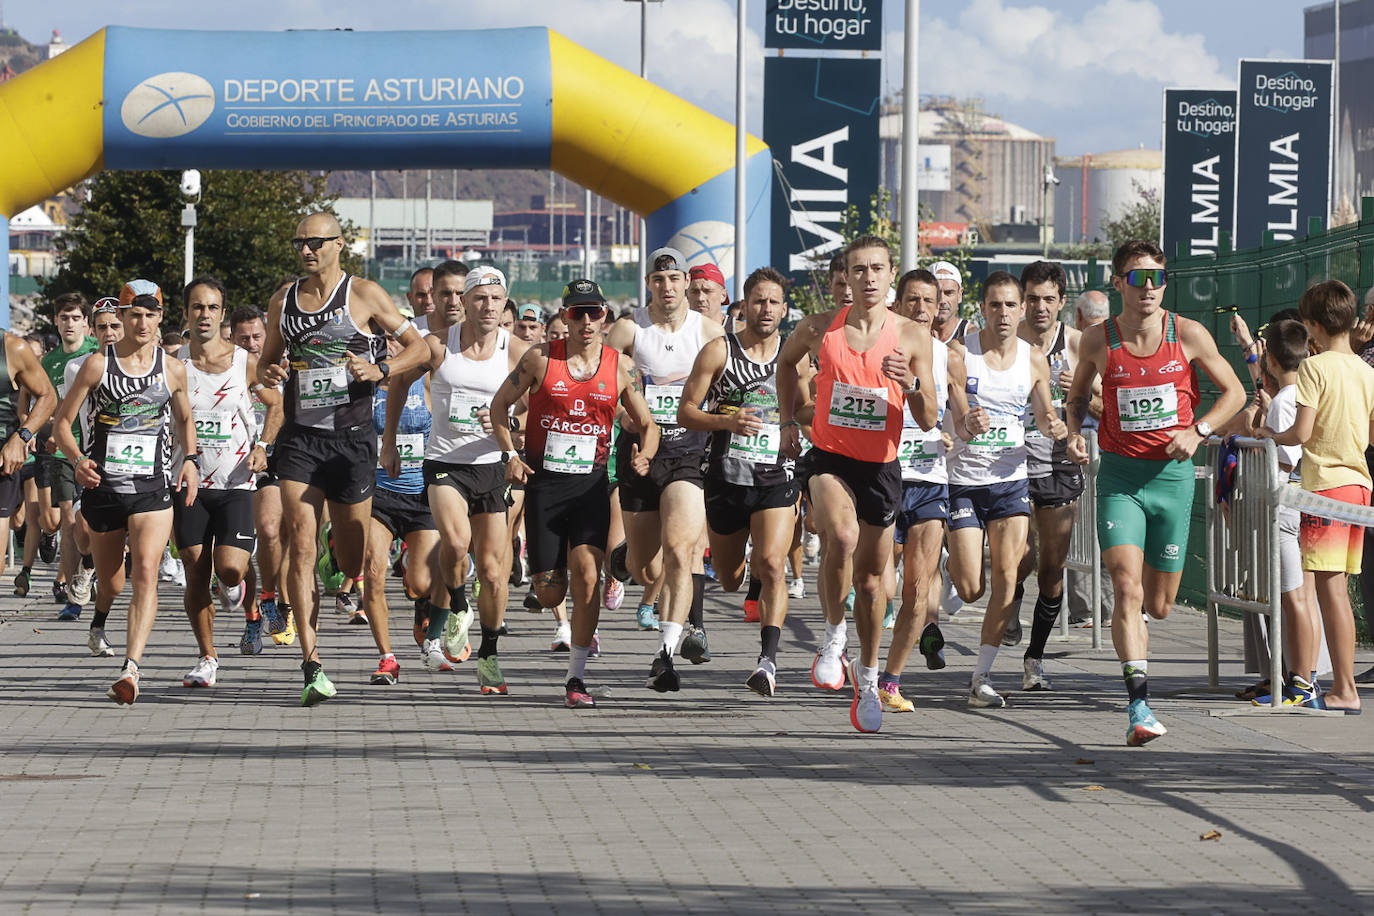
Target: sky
point(1085, 72)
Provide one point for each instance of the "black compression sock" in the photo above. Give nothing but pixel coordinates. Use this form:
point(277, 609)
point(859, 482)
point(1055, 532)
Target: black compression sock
point(310, 669)
point(98, 619)
point(768, 642)
point(694, 616)
point(421, 611)
point(87, 561)
point(488, 646)
point(1042, 624)
point(458, 598)
point(755, 589)
point(1137, 682)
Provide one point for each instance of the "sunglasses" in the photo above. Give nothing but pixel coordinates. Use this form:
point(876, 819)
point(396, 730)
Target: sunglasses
point(588, 312)
point(109, 304)
point(315, 241)
point(1155, 275)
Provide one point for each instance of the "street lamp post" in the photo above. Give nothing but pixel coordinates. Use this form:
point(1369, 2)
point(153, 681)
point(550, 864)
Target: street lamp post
point(190, 192)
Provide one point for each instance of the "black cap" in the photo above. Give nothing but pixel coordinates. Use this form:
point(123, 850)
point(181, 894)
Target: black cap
point(583, 292)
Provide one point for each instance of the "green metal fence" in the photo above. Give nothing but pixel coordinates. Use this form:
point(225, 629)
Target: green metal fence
point(1257, 283)
point(531, 281)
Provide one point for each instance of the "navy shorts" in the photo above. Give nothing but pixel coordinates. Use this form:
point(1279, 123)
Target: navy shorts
point(974, 507)
point(921, 502)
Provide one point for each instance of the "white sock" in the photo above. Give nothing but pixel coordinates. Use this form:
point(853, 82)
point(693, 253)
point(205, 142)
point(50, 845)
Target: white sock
point(672, 633)
point(986, 656)
point(577, 662)
point(868, 677)
point(836, 631)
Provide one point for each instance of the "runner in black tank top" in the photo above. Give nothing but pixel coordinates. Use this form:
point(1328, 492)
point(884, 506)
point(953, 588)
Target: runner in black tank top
point(750, 488)
point(135, 393)
point(331, 328)
point(19, 368)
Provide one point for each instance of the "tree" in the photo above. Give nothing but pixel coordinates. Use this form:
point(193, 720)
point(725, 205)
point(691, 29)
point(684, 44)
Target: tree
point(1136, 220)
point(130, 226)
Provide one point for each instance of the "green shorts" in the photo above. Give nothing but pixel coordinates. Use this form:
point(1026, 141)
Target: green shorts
point(1147, 504)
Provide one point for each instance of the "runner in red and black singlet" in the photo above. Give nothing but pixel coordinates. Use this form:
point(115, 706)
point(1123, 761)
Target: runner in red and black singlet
point(575, 386)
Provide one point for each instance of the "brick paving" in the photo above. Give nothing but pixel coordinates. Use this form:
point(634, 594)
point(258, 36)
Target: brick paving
point(427, 797)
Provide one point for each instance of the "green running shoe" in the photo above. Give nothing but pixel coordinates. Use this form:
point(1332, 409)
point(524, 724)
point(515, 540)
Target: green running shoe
point(318, 690)
point(457, 646)
point(1144, 726)
point(489, 676)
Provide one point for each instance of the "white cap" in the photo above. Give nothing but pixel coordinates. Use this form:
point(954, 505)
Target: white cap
point(483, 276)
point(944, 270)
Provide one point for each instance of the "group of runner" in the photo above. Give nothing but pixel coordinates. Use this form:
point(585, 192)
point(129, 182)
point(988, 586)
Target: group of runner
point(334, 425)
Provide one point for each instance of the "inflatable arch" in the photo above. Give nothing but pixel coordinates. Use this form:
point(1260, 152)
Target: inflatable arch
point(509, 98)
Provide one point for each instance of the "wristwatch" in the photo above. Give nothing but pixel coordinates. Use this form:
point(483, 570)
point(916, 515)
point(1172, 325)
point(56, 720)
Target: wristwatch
point(384, 369)
point(506, 457)
point(915, 386)
point(25, 435)
point(194, 459)
point(1204, 429)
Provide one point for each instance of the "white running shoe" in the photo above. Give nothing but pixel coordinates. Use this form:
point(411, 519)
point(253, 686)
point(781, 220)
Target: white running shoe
point(811, 546)
point(203, 674)
point(612, 593)
point(179, 575)
point(434, 656)
point(797, 588)
point(866, 711)
point(562, 637)
point(1034, 676)
point(98, 646)
point(827, 671)
point(79, 589)
point(167, 569)
point(981, 694)
point(231, 599)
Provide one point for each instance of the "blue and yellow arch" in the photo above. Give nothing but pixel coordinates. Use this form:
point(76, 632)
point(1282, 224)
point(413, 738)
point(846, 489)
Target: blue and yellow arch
point(511, 98)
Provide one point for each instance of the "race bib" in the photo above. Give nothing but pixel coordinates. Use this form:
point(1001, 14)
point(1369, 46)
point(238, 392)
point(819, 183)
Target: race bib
point(567, 453)
point(855, 407)
point(917, 451)
point(760, 448)
point(663, 401)
point(323, 387)
point(411, 448)
point(214, 429)
point(462, 411)
point(1147, 408)
point(131, 455)
point(1003, 434)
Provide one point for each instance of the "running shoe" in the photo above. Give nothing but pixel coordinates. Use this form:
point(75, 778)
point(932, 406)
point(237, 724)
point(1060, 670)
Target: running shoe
point(764, 680)
point(80, 588)
point(662, 677)
point(167, 569)
point(562, 637)
point(273, 614)
point(231, 599)
point(694, 647)
point(532, 603)
point(1144, 726)
point(797, 588)
point(1033, 675)
point(612, 593)
point(1011, 636)
point(889, 615)
point(287, 636)
point(828, 668)
point(434, 656)
point(251, 643)
point(932, 646)
point(125, 690)
point(47, 547)
point(70, 612)
point(388, 672)
point(575, 695)
point(594, 650)
point(811, 546)
point(1365, 677)
point(706, 568)
point(345, 604)
point(892, 699)
point(950, 602)
point(751, 610)
point(203, 674)
point(489, 676)
point(866, 711)
point(457, 647)
point(982, 696)
point(849, 602)
point(97, 644)
point(318, 690)
point(22, 583)
point(648, 620)
point(59, 593)
point(1296, 693)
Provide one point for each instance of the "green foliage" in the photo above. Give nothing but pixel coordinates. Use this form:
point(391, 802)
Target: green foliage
point(815, 296)
point(1137, 220)
point(130, 226)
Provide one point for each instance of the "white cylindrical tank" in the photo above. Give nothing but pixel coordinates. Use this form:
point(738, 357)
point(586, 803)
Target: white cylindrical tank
point(1094, 188)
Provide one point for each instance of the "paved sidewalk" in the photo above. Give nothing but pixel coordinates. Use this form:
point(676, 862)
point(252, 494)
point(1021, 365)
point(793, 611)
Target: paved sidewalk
point(427, 797)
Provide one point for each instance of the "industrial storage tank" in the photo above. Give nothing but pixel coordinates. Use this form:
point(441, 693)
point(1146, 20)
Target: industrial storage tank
point(1096, 187)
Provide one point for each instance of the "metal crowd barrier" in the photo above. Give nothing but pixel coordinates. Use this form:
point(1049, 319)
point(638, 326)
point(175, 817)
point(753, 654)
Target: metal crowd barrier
point(1085, 556)
point(1243, 549)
